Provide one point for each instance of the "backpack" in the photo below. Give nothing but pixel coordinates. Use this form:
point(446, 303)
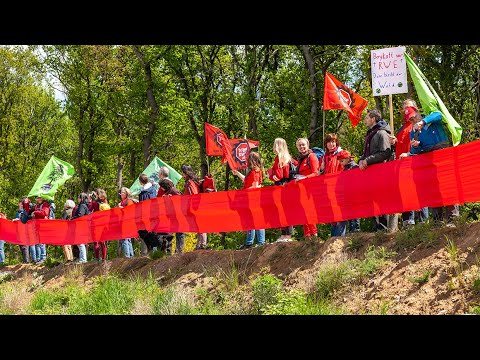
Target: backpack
point(53, 207)
point(207, 184)
point(317, 151)
point(51, 212)
point(23, 216)
point(293, 171)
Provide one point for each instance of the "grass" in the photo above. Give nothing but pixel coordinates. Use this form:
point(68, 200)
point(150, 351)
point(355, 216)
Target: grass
point(453, 254)
point(297, 302)
point(265, 289)
point(462, 224)
point(355, 243)
point(422, 279)
point(334, 277)
point(419, 235)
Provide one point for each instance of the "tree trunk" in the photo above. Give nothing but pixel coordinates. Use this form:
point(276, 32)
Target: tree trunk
point(119, 172)
point(152, 103)
point(313, 93)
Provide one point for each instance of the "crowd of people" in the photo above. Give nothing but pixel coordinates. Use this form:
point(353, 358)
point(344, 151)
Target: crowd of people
point(419, 134)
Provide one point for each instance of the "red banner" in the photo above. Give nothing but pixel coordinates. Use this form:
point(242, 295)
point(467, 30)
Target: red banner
point(235, 152)
point(213, 140)
point(442, 177)
point(338, 96)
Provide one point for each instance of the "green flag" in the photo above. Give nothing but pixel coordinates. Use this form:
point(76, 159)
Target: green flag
point(152, 172)
point(53, 175)
point(430, 101)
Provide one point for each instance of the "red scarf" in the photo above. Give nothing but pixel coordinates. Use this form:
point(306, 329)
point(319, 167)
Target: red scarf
point(403, 139)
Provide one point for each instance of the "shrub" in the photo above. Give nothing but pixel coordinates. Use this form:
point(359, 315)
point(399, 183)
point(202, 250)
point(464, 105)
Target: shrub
point(265, 289)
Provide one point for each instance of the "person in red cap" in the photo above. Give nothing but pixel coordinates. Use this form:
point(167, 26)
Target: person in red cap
point(402, 145)
point(402, 138)
point(428, 134)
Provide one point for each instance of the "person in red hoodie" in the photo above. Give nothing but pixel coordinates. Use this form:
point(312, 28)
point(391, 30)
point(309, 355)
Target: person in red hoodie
point(401, 142)
point(279, 173)
point(192, 187)
point(41, 211)
point(331, 164)
point(252, 180)
point(308, 166)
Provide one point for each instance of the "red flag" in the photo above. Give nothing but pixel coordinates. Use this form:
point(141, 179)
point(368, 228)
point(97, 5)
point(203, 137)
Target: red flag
point(236, 152)
point(214, 138)
point(253, 144)
point(338, 96)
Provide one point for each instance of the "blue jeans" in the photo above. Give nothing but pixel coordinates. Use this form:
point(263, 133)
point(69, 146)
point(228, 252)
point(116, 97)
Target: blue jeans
point(127, 247)
point(82, 253)
point(409, 216)
point(179, 244)
point(33, 253)
point(338, 228)
point(354, 225)
point(251, 237)
point(41, 250)
point(446, 213)
point(2, 251)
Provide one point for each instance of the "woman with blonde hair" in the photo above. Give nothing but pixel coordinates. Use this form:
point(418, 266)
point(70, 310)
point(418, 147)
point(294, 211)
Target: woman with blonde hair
point(279, 173)
point(101, 245)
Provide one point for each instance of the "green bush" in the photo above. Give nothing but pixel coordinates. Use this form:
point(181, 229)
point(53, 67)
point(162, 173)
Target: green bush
point(265, 289)
point(296, 302)
point(331, 278)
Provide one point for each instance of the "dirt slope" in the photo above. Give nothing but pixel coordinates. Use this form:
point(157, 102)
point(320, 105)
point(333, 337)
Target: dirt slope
point(449, 289)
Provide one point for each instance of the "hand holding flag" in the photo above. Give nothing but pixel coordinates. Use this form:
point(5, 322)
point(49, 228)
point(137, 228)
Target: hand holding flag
point(431, 102)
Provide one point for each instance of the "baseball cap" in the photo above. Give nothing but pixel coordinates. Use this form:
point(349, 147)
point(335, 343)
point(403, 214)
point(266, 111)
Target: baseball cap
point(409, 112)
point(344, 154)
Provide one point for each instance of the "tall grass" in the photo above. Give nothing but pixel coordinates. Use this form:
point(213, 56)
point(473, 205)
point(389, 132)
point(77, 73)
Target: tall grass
point(419, 235)
point(335, 276)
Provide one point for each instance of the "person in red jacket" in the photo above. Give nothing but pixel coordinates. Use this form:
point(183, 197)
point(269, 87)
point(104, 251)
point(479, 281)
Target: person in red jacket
point(41, 211)
point(330, 163)
point(252, 180)
point(192, 187)
point(279, 173)
point(125, 245)
point(308, 166)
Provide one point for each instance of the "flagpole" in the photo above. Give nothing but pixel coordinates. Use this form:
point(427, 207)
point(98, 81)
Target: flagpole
point(391, 112)
point(323, 139)
point(208, 165)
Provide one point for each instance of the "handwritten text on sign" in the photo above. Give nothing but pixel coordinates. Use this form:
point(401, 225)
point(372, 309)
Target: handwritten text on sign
point(389, 71)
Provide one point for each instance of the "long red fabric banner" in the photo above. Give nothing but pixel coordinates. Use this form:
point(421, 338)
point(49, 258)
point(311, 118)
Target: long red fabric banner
point(443, 177)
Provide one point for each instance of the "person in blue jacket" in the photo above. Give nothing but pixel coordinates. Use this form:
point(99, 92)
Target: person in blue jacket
point(429, 134)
